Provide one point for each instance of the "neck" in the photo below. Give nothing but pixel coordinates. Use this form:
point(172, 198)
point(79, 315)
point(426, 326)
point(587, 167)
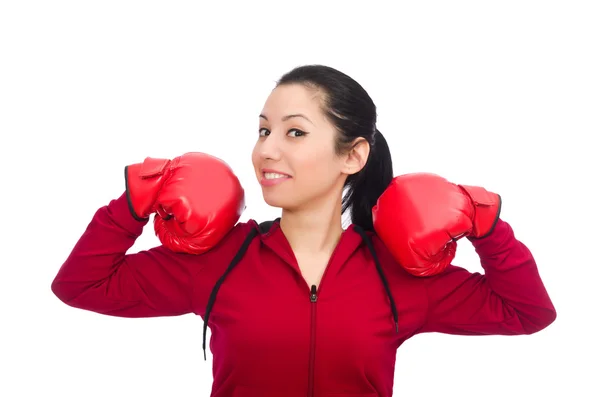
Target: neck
point(313, 230)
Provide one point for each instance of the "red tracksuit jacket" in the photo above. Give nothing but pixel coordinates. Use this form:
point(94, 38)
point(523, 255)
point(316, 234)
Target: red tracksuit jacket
point(272, 334)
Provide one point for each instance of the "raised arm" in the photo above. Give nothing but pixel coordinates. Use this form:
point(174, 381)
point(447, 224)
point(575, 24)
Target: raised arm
point(509, 299)
point(99, 276)
point(198, 200)
point(421, 216)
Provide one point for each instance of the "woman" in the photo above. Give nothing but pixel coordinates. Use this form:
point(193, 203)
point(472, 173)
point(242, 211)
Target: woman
point(301, 306)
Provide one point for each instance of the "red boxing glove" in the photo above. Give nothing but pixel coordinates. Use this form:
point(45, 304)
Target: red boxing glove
point(420, 216)
point(197, 199)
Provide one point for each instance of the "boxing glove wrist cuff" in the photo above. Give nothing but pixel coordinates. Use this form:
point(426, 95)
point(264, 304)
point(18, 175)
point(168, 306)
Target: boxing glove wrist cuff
point(486, 207)
point(129, 199)
point(143, 182)
point(493, 226)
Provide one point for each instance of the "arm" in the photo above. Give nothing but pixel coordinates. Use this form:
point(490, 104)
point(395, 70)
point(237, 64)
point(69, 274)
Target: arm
point(99, 276)
point(510, 299)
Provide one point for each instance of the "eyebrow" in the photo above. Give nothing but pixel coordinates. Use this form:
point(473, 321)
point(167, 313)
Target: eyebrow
point(289, 116)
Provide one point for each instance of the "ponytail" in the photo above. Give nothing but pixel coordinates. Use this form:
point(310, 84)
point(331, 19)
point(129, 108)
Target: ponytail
point(365, 187)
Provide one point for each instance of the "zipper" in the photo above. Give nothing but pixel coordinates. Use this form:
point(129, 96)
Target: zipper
point(314, 292)
point(313, 332)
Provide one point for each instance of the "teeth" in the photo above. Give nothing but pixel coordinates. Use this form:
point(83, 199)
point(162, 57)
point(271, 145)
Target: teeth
point(272, 175)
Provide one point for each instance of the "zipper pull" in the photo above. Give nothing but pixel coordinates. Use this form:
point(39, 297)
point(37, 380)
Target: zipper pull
point(313, 293)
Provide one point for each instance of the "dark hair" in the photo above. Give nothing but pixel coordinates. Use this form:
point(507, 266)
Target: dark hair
point(351, 110)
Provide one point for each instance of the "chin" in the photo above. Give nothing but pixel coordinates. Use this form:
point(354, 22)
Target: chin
point(273, 202)
point(276, 201)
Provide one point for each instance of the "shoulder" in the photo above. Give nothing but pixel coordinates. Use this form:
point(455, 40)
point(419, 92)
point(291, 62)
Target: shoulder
point(235, 237)
point(391, 267)
point(222, 251)
point(381, 251)
point(242, 233)
point(408, 291)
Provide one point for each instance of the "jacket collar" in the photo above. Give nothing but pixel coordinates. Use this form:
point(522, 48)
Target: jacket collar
point(274, 238)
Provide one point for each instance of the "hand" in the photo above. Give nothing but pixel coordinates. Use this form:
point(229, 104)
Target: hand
point(420, 216)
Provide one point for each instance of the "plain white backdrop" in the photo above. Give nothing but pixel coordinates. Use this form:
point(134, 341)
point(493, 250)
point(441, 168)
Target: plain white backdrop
point(500, 94)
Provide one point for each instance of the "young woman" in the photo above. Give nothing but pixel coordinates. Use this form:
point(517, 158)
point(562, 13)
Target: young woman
point(301, 306)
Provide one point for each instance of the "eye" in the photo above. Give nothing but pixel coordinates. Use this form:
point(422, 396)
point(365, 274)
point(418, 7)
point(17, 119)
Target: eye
point(296, 132)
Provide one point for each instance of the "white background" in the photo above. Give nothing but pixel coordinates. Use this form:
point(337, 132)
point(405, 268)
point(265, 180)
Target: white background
point(501, 94)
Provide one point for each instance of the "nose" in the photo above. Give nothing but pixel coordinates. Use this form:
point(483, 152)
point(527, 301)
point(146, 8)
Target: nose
point(270, 148)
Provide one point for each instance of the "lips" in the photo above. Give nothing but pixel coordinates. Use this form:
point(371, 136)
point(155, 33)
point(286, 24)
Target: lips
point(273, 177)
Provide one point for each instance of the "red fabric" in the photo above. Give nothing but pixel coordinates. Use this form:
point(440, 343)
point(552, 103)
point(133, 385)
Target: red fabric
point(268, 338)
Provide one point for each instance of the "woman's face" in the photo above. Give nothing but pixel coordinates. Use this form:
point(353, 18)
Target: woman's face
point(294, 157)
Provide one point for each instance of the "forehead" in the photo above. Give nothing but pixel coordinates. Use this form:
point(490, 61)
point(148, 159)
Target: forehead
point(293, 98)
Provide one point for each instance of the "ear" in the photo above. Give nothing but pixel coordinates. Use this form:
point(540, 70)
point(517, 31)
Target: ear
point(357, 156)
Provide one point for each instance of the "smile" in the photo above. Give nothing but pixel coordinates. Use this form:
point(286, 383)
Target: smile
point(274, 175)
point(273, 178)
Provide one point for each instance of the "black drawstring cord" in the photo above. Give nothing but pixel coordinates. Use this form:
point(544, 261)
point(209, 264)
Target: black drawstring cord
point(265, 227)
point(369, 243)
point(215, 290)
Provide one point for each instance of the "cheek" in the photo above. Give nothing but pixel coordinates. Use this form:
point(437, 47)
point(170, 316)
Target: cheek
point(316, 165)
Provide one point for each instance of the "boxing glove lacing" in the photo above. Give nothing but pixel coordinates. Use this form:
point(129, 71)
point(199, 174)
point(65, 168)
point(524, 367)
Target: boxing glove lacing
point(264, 227)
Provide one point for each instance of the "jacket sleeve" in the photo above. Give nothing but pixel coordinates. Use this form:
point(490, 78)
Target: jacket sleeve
point(509, 299)
point(99, 276)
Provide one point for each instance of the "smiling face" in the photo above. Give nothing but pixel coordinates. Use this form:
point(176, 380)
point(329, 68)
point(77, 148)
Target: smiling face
point(294, 157)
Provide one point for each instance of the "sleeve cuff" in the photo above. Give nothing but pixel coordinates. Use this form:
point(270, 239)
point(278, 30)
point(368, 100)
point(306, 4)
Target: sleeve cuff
point(501, 233)
point(119, 209)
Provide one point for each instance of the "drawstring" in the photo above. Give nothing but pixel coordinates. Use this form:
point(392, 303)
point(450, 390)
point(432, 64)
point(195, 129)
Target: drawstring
point(265, 227)
point(213, 295)
point(369, 243)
